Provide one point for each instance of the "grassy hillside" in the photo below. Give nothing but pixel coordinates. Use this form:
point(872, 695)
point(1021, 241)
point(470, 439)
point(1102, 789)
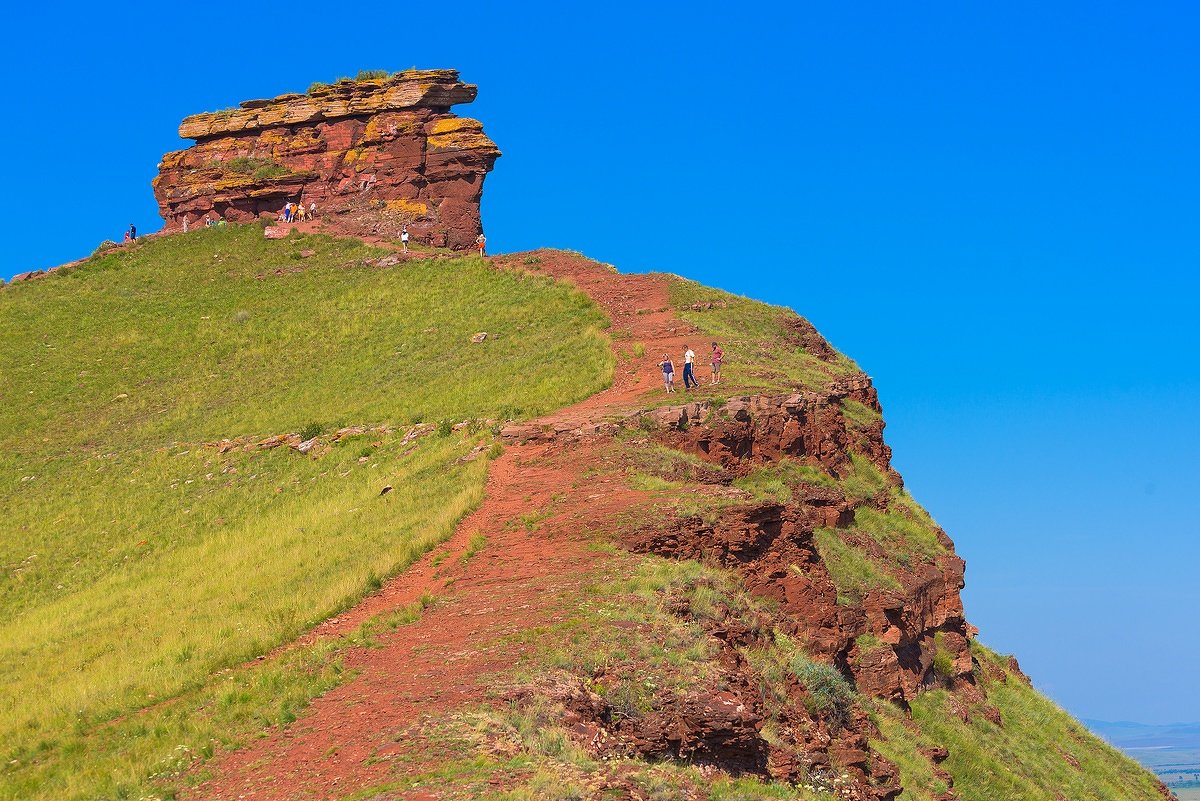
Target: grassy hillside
point(137, 561)
point(1036, 752)
point(152, 547)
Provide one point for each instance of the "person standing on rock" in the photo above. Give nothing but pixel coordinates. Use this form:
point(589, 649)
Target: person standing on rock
point(287, 212)
point(689, 376)
point(404, 238)
point(668, 373)
point(481, 243)
point(718, 356)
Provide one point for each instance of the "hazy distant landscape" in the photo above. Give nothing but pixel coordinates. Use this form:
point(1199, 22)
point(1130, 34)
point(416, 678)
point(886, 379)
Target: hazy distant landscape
point(1171, 751)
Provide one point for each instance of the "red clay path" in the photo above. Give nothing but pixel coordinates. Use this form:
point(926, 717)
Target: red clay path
point(516, 582)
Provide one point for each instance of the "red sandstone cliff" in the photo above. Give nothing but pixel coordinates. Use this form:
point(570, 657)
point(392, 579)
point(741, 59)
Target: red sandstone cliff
point(375, 154)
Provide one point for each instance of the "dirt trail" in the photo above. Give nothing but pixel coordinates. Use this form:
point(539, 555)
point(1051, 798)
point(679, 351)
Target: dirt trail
point(514, 583)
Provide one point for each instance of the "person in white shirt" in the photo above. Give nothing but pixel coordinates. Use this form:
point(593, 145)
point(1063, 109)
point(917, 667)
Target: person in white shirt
point(689, 378)
point(404, 238)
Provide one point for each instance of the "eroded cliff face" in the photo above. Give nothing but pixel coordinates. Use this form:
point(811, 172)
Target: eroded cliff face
point(373, 155)
point(897, 629)
point(896, 633)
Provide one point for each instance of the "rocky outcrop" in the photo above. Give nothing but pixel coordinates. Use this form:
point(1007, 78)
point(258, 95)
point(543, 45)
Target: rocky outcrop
point(893, 640)
point(373, 155)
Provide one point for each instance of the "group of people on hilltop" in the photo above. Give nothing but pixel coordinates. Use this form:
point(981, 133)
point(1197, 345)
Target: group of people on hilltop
point(131, 233)
point(689, 375)
point(296, 213)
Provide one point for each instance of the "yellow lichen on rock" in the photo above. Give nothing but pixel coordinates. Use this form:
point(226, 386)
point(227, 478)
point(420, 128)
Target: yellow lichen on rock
point(411, 208)
point(460, 133)
point(451, 124)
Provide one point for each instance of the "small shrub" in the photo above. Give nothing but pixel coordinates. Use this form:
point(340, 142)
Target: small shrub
point(317, 86)
point(828, 690)
point(639, 349)
point(496, 451)
point(241, 317)
point(104, 246)
point(310, 430)
point(532, 260)
point(371, 75)
point(270, 171)
point(444, 428)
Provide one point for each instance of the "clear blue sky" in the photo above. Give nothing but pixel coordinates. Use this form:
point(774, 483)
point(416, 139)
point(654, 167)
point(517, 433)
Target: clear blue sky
point(994, 211)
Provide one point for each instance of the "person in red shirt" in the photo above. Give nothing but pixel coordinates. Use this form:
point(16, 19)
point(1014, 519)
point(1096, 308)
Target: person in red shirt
point(717, 356)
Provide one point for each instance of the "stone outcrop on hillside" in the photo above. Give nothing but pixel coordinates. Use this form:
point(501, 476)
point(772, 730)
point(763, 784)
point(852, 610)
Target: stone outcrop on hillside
point(371, 154)
point(890, 638)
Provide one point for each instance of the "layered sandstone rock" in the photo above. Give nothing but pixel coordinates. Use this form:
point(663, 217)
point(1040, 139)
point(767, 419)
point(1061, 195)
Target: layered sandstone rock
point(373, 155)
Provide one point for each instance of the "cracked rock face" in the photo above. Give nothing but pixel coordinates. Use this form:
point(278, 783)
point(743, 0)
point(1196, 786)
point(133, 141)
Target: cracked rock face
point(373, 155)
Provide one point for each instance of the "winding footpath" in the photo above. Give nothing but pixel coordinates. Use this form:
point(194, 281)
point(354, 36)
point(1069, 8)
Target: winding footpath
point(348, 738)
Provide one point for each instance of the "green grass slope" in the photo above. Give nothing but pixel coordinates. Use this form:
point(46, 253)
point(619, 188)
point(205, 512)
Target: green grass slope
point(137, 562)
point(1037, 752)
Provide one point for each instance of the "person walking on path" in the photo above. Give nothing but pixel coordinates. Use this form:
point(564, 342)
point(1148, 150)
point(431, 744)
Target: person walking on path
point(718, 356)
point(668, 373)
point(404, 238)
point(481, 243)
point(689, 375)
point(312, 210)
point(287, 212)
point(132, 232)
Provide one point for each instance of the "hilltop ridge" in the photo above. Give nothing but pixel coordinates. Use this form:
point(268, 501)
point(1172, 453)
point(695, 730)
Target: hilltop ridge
point(730, 596)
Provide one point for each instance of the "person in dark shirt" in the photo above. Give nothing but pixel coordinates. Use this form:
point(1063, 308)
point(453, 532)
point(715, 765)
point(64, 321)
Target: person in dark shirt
point(132, 232)
point(668, 373)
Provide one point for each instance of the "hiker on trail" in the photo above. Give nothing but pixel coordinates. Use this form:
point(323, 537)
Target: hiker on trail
point(126, 236)
point(404, 238)
point(717, 356)
point(481, 243)
point(312, 210)
point(689, 356)
point(132, 232)
point(668, 373)
point(185, 225)
point(287, 211)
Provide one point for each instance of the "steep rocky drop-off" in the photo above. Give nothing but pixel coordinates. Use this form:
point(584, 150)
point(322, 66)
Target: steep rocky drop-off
point(374, 154)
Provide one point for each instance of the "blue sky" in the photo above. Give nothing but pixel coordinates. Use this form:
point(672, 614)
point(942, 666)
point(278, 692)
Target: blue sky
point(993, 210)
